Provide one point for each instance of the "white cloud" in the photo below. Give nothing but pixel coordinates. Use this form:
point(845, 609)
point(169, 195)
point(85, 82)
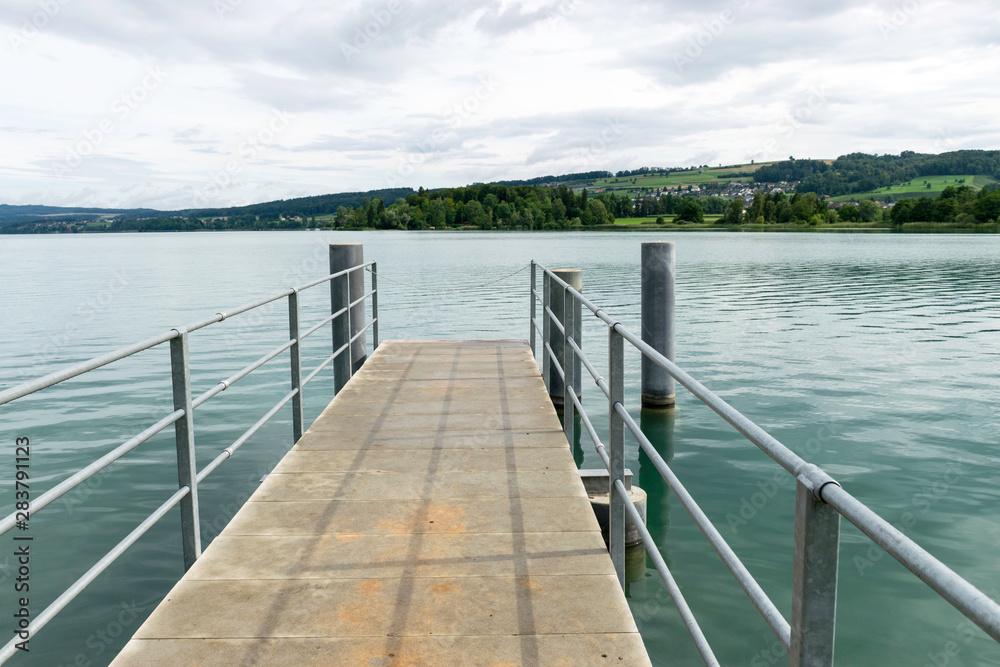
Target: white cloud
point(391, 91)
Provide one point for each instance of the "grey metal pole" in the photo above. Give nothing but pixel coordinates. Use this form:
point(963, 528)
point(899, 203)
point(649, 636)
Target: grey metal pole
point(345, 256)
point(658, 262)
point(296, 364)
point(569, 365)
point(616, 506)
point(573, 278)
point(546, 329)
point(374, 306)
point(814, 578)
point(187, 470)
point(531, 328)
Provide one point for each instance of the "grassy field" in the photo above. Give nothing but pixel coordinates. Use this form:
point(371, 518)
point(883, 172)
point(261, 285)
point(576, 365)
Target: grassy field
point(651, 222)
point(678, 178)
point(918, 187)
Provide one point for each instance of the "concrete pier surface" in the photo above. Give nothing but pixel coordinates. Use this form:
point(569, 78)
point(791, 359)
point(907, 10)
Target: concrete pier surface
point(432, 515)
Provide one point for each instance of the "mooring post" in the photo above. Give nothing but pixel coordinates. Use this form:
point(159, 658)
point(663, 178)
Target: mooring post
point(557, 301)
point(658, 261)
point(344, 256)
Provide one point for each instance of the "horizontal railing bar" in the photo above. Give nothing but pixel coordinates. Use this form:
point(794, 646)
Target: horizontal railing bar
point(598, 445)
point(330, 277)
point(362, 332)
point(555, 362)
point(86, 473)
point(555, 321)
point(753, 590)
point(583, 300)
point(363, 297)
point(220, 316)
point(38, 384)
point(320, 325)
point(788, 459)
point(690, 622)
point(229, 382)
point(326, 363)
point(228, 451)
point(80, 584)
point(46, 381)
point(598, 378)
point(962, 595)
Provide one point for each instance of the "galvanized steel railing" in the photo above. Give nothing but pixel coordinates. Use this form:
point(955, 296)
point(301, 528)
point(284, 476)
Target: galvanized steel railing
point(345, 335)
point(820, 500)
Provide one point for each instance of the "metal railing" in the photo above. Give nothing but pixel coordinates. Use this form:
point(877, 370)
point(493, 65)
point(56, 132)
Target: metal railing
point(345, 333)
point(820, 500)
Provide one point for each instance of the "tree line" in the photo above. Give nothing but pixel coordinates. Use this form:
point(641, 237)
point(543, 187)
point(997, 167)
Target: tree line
point(860, 172)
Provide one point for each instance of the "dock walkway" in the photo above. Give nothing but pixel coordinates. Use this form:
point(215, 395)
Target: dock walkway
point(432, 515)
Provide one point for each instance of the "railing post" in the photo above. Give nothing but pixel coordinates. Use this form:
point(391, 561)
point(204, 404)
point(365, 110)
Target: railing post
point(616, 507)
point(374, 307)
point(546, 328)
point(187, 470)
point(658, 262)
point(814, 577)
point(568, 364)
point(343, 291)
point(558, 298)
point(296, 363)
point(531, 293)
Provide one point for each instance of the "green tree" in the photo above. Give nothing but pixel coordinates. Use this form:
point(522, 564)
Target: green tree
point(734, 212)
point(474, 214)
point(849, 213)
point(869, 211)
point(689, 210)
point(987, 206)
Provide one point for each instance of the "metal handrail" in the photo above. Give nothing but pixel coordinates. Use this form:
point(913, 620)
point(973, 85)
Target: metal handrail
point(183, 415)
point(816, 494)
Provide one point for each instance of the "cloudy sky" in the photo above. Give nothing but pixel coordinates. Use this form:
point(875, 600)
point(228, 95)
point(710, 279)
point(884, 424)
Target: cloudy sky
point(191, 103)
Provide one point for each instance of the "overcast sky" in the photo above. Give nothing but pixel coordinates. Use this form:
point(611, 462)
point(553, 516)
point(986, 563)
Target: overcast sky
point(190, 103)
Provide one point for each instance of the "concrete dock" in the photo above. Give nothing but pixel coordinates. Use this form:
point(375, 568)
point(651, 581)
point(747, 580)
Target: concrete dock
point(432, 515)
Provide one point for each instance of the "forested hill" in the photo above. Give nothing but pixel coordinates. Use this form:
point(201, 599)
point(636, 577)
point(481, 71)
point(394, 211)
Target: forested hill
point(584, 177)
point(860, 172)
point(304, 207)
point(12, 215)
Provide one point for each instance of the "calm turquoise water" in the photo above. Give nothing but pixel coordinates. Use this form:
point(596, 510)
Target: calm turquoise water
point(874, 356)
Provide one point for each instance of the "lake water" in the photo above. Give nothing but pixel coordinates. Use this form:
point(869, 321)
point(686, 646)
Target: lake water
point(874, 356)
